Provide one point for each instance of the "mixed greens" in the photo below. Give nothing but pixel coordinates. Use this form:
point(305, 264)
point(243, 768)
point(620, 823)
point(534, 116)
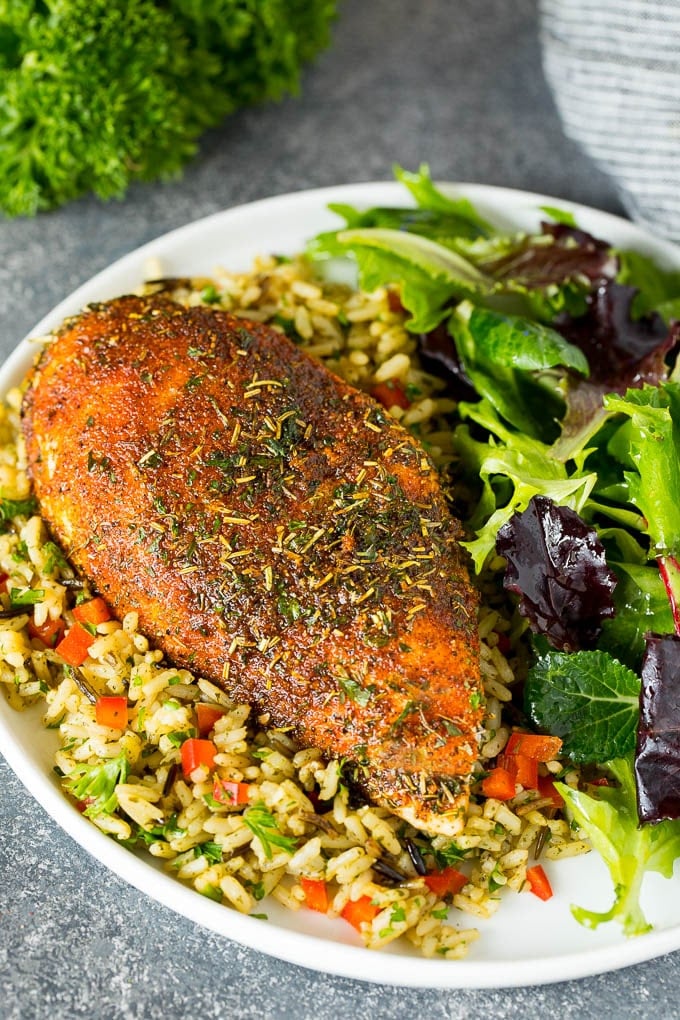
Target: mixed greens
point(562, 352)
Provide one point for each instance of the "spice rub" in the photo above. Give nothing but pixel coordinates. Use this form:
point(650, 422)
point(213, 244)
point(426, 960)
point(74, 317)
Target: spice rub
point(275, 530)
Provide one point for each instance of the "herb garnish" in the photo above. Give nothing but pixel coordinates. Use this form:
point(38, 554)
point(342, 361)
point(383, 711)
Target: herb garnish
point(17, 508)
point(96, 784)
point(262, 824)
point(26, 596)
point(352, 689)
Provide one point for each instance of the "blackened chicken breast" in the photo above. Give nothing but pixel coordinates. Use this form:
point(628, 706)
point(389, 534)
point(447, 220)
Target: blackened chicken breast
point(276, 532)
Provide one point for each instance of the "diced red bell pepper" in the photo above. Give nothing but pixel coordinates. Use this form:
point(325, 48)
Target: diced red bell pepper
point(74, 647)
point(4, 578)
point(196, 752)
point(523, 770)
point(225, 791)
point(316, 894)
point(522, 754)
point(391, 394)
point(504, 643)
point(111, 710)
point(95, 611)
point(446, 882)
point(546, 788)
point(50, 632)
point(526, 771)
point(499, 784)
point(538, 882)
point(358, 912)
point(533, 745)
point(206, 717)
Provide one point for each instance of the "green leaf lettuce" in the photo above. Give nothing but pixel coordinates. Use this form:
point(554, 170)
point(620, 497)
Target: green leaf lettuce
point(629, 850)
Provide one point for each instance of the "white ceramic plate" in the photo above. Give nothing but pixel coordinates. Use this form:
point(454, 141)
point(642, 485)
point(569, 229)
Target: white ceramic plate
point(528, 941)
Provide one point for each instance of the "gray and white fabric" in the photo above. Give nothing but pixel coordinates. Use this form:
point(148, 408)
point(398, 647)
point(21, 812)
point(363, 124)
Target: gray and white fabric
point(614, 69)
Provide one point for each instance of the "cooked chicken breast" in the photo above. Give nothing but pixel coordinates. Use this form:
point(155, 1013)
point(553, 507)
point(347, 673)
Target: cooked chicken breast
point(275, 530)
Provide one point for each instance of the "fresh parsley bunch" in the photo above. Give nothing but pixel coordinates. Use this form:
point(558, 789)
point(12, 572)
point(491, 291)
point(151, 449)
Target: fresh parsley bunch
point(95, 94)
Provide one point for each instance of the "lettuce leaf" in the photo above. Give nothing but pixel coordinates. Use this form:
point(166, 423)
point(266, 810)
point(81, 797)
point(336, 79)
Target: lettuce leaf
point(508, 360)
point(609, 820)
point(658, 289)
point(657, 756)
point(436, 216)
point(428, 196)
point(511, 469)
point(641, 606)
point(647, 443)
point(556, 565)
point(623, 351)
point(431, 275)
point(511, 341)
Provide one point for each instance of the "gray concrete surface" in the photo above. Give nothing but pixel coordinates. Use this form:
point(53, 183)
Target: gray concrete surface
point(458, 85)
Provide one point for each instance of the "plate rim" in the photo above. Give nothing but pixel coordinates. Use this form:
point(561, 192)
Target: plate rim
point(348, 960)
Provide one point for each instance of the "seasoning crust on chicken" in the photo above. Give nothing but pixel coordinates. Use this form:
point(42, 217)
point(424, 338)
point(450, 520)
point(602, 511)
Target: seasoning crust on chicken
point(275, 531)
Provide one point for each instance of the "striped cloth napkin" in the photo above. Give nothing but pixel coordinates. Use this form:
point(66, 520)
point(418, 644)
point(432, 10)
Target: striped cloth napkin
point(614, 70)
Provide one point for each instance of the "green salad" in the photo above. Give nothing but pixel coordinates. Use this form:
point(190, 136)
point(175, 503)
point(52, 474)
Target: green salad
point(562, 354)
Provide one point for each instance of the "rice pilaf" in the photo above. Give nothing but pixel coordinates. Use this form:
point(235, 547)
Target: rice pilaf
point(268, 818)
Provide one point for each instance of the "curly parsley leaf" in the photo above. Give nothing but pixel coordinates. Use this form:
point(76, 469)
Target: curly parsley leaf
point(95, 95)
point(352, 689)
point(26, 596)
